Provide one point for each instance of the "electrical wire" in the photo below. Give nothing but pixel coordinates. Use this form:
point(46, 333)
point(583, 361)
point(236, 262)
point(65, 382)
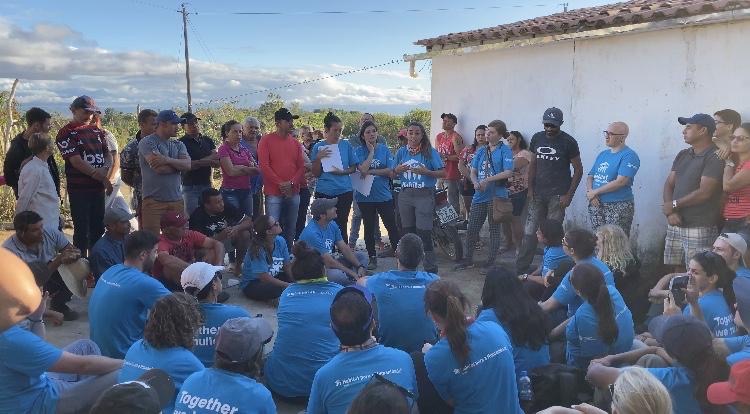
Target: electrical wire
point(376, 11)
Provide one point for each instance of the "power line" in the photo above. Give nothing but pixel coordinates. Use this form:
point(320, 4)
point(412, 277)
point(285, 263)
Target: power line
point(154, 5)
point(376, 11)
point(209, 55)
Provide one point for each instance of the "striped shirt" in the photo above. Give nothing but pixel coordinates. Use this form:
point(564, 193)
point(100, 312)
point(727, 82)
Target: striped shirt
point(737, 205)
point(88, 142)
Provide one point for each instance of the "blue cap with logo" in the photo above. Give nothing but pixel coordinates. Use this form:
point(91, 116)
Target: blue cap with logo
point(704, 120)
point(169, 116)
point(553, 116)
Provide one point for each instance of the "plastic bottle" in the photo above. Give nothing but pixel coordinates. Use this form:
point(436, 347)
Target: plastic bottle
point(525, 393)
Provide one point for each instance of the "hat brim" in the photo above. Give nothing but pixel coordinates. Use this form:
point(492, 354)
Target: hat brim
point(129, 217)
point(721, 393)
point(74, 276)
point(161, 383)
point(92, 109)
point(178, 224)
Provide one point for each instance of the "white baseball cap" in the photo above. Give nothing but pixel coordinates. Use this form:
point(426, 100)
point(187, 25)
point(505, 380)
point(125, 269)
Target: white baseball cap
point(198, 275)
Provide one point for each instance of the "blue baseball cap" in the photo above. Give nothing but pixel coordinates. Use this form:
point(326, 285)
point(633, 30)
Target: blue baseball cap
point(704, 120)
point(170, 116)
point(553, 116)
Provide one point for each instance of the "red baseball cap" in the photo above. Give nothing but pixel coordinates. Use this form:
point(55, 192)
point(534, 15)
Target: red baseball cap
point(173, 219)
point(737, 389)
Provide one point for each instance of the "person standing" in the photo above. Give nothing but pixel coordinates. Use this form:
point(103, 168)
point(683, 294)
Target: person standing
point(36, 187)
point(203, 157)
point(283, 168)
point(464, 166)
point(87, 164)
point(130, 168)
point(551, 186)
point(250, 138)
point(308, 185)
point(355, 142)
point(736, 184)
point(162, 160)
point(237, 167)
point(449, 145)
point(609, 185)
point(692, 193)
point(726, 121)
point(518, 189)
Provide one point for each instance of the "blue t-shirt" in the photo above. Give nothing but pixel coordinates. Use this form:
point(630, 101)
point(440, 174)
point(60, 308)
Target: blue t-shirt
point(119, 306)
point(214, 315)
point(24, 359)
point(305, 340)
point(679, 382)
point(553, 255)
point(179, 363)
point(218, 391)
point(487, 382)
point(582, 332)
point(742, 271)
point(502, 160)
point(339, 381)
point(322, 239)
point(254, 266)
point(565, 293)
point(524, 358)
point(106, 253)
point(402, 321)
point(381, 186)
point(412, 180)
point(739, 348)
point(716, 313)
point(334, 184)
point(608, 166)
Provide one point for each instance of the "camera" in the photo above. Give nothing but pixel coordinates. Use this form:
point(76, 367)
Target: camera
point(677, 286)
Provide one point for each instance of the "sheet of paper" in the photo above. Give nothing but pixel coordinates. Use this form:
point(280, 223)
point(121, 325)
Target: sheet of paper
point(362, 185)
point(332, 160)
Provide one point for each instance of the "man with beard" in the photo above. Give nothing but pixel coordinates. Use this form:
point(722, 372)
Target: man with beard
point(124, 295)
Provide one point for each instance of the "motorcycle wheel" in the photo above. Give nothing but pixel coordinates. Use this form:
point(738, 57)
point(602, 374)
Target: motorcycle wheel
point(449, 242)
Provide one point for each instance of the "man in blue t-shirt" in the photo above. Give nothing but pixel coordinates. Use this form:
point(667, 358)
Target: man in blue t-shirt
point(338, 382)
point(610, 182)
point(123, 297)
point(399, 294)
point(323, 234)
point(109, 251)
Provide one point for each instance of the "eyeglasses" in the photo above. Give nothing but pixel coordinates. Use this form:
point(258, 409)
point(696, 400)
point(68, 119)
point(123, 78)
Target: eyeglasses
point(607, 134)
point(385, 380)
point(551, 126)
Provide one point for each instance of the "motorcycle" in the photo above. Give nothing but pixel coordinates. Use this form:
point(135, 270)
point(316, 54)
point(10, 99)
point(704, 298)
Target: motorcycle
point(444, 231)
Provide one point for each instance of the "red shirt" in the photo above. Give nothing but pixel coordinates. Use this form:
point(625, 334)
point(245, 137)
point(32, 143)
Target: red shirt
point(737, 205)
point(88, 142)
point(445, 146)
point(183, 249)
point(280, 160)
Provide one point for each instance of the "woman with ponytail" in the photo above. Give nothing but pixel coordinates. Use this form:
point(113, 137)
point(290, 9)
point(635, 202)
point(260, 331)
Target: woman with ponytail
point(335, 183)
point(470, 368)
point(601, 326)
point(265, 271)
point(202, 281)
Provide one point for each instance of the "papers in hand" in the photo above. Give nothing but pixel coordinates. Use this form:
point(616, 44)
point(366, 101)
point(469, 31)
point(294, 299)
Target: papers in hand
point(362, 185)
point(332, 160)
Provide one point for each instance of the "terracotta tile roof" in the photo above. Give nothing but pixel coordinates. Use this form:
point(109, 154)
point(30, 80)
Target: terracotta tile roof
point(590, 18)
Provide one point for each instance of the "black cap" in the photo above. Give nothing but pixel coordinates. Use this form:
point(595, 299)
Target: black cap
point(284, 114)
point(190, 117)
point(151, 392)
point(449, 115)
point(86, 102)
point(682, 336)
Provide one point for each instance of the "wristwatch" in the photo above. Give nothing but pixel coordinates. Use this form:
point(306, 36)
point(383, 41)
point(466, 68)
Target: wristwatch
point(674, 204)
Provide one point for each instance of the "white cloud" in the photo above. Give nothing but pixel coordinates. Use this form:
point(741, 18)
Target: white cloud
point(56, 63)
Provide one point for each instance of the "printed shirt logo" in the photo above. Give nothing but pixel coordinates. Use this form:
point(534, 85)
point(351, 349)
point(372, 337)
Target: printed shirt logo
point(631, 165)
point(413, 180)
point(603, 167)
point(547, 153)
point(329, 244)
point(276, 266)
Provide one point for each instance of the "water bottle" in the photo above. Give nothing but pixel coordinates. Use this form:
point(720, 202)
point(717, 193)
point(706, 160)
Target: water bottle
point(525, 393)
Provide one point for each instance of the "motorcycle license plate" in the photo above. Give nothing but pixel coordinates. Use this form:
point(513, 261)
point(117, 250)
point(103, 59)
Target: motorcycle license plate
point(446, 214)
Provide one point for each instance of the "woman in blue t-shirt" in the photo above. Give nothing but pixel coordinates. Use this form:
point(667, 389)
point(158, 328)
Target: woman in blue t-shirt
point(490, 169)
point(375, 159)
point(541, 282)
point(418, 166)
point(602, 325)
point(265, 271)
point(505, 302)
point(335, 183)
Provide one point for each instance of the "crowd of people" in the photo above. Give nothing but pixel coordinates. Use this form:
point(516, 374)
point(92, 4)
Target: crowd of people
point(584, 329)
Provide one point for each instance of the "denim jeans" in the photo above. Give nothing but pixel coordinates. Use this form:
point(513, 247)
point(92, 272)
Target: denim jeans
point(284, 209)
point(191, 195)
point(87, 211)
point(242, 200)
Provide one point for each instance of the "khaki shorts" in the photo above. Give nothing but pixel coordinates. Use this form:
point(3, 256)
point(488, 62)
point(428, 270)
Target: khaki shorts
point(682, 243)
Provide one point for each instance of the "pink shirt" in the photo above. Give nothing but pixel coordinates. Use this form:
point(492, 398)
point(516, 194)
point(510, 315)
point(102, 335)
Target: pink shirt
point(241, 157)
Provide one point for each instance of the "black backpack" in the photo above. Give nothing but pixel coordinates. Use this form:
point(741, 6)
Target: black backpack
point(559, 384)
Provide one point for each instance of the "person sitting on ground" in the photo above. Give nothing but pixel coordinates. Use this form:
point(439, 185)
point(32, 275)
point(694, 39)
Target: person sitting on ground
point(266, 272)
point(167, 340)
point(203, 282)
point(360, 358)
point(550, 233)
point(32, 242)
point(402, 322)
point(109, 250)
point(305, 340)
point(178, 247)
point(687, 364)
point(120, 303)
point(732, 247)
point(36, 186)
point(601, 326)
point(470, 369)
point(324, 235)
point(223, 222)
point(505, 302)
point(231, 386)
point(734, 391)
point(381, 396)
point(151, 392)
point(737, 348)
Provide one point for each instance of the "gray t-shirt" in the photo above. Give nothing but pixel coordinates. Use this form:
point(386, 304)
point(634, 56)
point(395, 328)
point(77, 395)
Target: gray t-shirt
point(53, 241)
point(689, 168)
point(160, 187)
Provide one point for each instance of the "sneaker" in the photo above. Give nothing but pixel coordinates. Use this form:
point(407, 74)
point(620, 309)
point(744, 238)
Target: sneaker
point(373, 263)
point(387, 253)
point(68, 314)
point(464, 265)
point(223, 297)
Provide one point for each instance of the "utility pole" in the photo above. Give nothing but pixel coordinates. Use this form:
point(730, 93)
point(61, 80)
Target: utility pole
point(565, 7)
point(187, 58)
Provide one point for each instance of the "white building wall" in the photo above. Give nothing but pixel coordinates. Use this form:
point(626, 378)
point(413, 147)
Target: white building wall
point(644, 79)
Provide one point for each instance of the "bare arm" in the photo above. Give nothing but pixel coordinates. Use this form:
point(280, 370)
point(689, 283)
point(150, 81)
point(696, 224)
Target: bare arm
point(532, 176)
point(211, 160)
point(115, 165)
point(668, 192)
point(173, 266)
point(217, 248)
point(733, 182)
point(458, 145)
point(577, 175)
point(601, 376)
point(550, 304)
point(233, 170)
point(705, 191)
point(85, 364)
point(616, 184)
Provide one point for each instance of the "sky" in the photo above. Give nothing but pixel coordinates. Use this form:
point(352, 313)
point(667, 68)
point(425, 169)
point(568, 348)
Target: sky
point(129, 52)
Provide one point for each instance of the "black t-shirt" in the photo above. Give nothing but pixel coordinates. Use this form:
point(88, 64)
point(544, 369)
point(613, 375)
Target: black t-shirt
point(553, 157)
point(209, 225)
point(198, 148)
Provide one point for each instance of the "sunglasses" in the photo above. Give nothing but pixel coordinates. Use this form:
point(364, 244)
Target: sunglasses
point(385, 380)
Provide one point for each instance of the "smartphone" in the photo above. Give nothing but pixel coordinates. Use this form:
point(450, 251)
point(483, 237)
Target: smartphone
point(677, 286)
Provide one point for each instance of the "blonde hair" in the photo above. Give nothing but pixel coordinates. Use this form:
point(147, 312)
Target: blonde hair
point(615, 247)
point(39, 142)
point(637, 392)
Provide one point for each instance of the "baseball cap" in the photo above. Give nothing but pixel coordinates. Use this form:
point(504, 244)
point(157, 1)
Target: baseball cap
point(735, 240)
point(681, 336)
point(173, 219)
point(86, 102)
point(151, 392)
point(359, 290)
point(169, 116)
point(741, 287)
point(704, 120)
point(553, 116)
point(240, 339)
point(198, 275)
point(321, 206)
point(117, 215)
point(737, 389)
point(449, 115)
point(284, 114)
point(189, 117)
